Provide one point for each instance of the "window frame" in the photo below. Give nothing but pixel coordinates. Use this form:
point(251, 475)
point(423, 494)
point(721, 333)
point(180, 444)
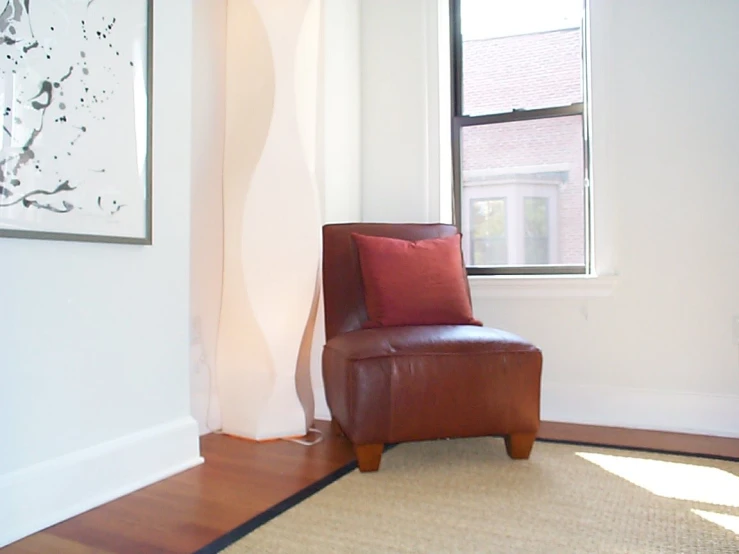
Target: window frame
point(459, 121)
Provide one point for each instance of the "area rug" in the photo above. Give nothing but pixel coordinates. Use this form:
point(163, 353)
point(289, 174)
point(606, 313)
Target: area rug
point(467, 496)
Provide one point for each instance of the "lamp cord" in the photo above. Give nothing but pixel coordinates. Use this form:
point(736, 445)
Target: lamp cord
point(305, 442)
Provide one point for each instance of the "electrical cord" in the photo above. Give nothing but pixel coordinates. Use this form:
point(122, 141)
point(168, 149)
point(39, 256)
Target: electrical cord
point(304, 442)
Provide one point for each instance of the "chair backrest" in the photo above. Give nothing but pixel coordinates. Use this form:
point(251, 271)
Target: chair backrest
point(343, 295)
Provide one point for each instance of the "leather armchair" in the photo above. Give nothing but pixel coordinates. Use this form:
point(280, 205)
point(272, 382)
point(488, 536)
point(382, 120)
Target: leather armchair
point(397, 384)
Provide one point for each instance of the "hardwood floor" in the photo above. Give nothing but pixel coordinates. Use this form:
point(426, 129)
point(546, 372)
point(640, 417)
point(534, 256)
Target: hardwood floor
point(241, 479)
point(633, 438)
point(179, 515)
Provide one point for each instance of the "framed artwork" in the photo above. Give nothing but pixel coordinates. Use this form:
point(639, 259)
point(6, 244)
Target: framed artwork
point(76, 91)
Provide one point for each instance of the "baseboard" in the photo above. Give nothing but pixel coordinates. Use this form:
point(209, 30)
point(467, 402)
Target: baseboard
point(657, 410)
point(677, 412)
point(44, 494)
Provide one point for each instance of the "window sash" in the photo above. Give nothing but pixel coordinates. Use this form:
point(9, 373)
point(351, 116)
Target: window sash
point(459, 121)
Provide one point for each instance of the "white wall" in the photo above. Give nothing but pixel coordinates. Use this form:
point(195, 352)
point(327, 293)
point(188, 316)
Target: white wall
point(339, 129)
point(94, 351)
point(341, 115)
point(657, 352)
point(206, 238)
point(398, 60)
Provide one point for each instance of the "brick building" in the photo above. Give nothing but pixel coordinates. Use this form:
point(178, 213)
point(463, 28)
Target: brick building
point(522, 182)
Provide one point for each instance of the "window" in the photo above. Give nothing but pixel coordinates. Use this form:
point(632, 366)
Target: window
point(519, 135)
point(489, 243)
point(536, 230)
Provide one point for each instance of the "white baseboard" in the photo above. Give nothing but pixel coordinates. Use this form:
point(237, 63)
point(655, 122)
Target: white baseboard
point(44, 494)
point(320, 407)
point(676, 412)
point(658, 410)
point(323, 415)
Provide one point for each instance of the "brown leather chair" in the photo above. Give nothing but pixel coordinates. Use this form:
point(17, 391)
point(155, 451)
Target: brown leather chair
point(397, 384)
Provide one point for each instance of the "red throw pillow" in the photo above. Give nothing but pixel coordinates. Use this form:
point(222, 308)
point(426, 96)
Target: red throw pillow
point(414, 282)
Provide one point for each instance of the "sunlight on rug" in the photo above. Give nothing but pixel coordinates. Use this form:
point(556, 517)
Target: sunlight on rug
point(673, 480)
point(467, 496)
point(726, 521)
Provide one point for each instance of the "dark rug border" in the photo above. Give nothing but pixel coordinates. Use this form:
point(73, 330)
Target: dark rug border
point(250, 525)
point(269, 514)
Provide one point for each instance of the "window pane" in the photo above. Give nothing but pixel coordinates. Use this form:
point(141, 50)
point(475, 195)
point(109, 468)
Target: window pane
point(520, 54)
point(534, 171)
point(536, 230)
point(489, 244)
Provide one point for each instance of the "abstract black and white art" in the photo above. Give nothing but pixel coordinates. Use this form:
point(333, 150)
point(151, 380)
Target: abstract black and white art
point(76, 120)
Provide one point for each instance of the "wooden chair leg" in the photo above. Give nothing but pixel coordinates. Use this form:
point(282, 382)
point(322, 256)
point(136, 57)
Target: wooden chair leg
point(336, 428)
point(519, 445)
point(368, 456)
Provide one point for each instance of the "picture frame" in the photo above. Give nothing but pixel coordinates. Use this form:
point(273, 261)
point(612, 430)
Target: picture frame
point(76, 92)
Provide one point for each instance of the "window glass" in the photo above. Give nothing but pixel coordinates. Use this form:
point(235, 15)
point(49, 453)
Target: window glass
point(536, 230)
point(489, 244)
point(520, 54)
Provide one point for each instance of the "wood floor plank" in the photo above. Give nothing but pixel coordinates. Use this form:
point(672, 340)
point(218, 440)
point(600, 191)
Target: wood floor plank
point(42, 543)
point(241, 479)
point(638, 438)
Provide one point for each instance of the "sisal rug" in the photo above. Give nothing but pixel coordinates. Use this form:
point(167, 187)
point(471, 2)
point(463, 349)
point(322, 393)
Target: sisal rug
point(467, 496)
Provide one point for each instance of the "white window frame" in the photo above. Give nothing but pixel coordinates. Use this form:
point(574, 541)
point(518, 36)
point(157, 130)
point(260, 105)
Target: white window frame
point(459, 121)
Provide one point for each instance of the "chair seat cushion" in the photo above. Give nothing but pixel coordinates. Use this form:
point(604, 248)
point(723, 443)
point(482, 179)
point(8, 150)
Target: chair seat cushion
point(426, 339)
point(415, 383)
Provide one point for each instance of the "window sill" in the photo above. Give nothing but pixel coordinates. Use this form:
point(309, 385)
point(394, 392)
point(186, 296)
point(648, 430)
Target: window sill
point(542, 286)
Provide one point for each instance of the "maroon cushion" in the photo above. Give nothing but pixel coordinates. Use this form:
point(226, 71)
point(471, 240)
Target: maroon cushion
point(414, 282)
